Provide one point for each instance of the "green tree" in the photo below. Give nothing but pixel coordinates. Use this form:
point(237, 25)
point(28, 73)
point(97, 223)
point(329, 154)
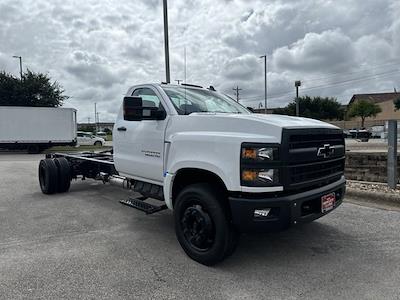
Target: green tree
point(396, 103)
point(35, 89)
point(322, 108)
point(364, 109)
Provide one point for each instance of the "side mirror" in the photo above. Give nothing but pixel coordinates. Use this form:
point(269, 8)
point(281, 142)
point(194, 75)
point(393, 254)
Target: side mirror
point(132, 107)
point(160, 114)
point(135, 111)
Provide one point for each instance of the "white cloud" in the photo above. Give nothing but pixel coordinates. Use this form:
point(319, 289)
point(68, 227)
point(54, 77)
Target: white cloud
point(96, 50)
point(330, 51)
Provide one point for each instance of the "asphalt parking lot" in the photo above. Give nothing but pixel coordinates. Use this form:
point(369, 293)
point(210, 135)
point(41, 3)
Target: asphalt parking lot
point(84, 244)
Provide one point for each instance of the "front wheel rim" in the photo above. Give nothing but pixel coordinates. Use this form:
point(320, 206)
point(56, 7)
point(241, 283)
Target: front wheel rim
point(197, 227)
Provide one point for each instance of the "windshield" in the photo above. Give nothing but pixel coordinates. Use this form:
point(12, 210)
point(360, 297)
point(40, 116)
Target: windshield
point(190, 100)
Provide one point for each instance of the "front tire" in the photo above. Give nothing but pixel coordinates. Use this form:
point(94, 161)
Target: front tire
point(98, 144)
point(202, 225)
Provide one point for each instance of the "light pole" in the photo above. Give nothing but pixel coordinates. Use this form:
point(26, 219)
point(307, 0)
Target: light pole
point(95, 115)
point(166, 43)
point(297, 83)
point(20, 64)
point(265, 82)
point(98, 122)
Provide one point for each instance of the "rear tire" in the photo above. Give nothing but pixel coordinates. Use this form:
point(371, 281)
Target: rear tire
point(98, 143)
point(202, 225)
point(48, 176)
point(64, 174)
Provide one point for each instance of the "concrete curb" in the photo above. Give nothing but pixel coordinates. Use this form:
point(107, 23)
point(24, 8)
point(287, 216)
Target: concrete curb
point(374, 196)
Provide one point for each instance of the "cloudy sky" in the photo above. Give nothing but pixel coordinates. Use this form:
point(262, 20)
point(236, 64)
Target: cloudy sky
point(97, 49)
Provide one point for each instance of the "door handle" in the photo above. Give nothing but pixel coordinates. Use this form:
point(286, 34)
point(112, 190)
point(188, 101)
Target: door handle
point(121, 128)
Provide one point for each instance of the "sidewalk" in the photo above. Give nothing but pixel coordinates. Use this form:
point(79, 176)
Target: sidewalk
point(373, 191)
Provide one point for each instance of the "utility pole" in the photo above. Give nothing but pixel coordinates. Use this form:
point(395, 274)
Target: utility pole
point(88, 120)
point(178, 80)
point(166, 43)
point(95, 115)
point(237, 93)
point(184, 67)
point(297, 83)
point(20, 64)
point(265, 82)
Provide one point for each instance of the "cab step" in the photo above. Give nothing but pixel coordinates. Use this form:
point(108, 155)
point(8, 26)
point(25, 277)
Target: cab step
point(143, 206)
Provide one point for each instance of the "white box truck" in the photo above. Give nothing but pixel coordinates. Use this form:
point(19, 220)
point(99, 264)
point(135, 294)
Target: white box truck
point(36, 128)
point(221, 169)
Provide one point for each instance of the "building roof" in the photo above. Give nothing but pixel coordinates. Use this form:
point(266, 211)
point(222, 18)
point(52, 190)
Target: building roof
point(376, 98)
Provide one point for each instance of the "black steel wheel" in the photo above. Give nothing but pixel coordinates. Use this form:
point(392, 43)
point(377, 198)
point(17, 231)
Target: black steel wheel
point(64, 174)
point(48, 176)
point(202, 224)
point(198, 228)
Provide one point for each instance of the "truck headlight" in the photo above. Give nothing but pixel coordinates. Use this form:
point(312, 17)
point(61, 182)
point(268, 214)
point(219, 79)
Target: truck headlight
point(259, 153)
point(261, 177)
point(259, 165)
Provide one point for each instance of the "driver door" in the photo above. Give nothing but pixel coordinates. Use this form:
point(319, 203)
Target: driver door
point(139, 145)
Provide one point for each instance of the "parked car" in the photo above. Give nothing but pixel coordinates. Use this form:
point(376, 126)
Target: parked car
point(362, 134)
point(102, 134)
point(377, 131)
point(86, 138)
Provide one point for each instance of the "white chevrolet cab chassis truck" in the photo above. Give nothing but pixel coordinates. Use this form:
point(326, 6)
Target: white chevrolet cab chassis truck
point(220, 168)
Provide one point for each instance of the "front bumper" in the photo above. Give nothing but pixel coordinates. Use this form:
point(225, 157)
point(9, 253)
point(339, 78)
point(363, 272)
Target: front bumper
point(284, 211)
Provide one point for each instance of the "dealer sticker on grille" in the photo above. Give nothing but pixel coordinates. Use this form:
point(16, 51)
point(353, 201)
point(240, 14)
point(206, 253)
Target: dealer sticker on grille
point(328, 202)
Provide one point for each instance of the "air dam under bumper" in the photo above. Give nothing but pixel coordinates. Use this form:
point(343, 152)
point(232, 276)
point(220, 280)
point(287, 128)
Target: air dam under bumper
point(284, 211)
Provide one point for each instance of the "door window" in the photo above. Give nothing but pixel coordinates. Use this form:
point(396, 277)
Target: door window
point(148, 96)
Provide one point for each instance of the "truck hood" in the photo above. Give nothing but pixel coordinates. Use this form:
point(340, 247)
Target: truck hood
point(274, 120)
point(239, 127)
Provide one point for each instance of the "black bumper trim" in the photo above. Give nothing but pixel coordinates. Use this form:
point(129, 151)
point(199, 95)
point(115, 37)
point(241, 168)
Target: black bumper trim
point(285, 211)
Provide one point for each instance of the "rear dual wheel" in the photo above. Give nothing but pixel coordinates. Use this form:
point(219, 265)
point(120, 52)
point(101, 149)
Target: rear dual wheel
point(54, 175)
point(202, 224)
point(64, 174)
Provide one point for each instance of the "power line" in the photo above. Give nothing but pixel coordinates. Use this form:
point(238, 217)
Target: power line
point(389, 62)
point(332, 84)
point(338, 83)
point(352, 72)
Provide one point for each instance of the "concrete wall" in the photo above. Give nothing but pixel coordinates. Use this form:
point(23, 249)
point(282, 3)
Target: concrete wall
point(356, 123)
point(368, 166)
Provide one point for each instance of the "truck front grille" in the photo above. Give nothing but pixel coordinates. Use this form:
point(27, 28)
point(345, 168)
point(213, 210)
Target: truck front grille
point(303, 166)
point(302, 141)
point(315, 171)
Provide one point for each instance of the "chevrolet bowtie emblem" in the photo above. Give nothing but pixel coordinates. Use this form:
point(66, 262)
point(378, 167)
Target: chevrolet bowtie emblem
point(326, 151)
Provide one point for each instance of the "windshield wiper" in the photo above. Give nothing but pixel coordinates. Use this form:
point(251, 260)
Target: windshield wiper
point(213, 112)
